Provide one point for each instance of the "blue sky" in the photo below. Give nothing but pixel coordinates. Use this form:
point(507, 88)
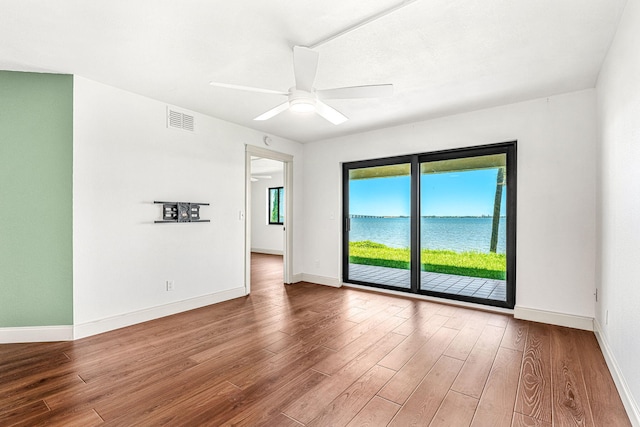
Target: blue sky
point(444, 194)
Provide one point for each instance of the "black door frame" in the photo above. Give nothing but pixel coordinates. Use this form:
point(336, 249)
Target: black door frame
point(507, 148)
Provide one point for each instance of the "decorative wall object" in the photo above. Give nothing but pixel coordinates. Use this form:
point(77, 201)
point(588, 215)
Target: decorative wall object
point(181, 212)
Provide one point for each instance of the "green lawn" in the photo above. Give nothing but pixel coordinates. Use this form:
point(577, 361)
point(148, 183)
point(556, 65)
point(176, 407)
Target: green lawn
point(472, 264)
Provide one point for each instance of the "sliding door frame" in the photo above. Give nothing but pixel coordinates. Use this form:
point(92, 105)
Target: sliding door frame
point(507, 148)
point(346, 167)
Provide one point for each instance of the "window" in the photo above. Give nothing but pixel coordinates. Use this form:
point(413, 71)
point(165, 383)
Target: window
point(276, 205)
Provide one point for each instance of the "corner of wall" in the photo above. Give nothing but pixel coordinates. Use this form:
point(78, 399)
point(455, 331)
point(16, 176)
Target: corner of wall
point(628, 401)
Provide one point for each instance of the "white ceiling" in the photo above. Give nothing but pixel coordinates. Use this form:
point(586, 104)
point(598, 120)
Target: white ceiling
point(443, 56)
point(261, 166)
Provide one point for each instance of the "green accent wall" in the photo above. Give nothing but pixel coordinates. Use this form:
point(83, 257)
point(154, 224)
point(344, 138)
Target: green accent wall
point(36, 189)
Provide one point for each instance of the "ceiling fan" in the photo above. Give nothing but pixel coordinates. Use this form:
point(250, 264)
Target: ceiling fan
point(304, 98)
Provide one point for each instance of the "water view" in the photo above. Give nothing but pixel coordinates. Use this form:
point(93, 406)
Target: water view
point(459, 250)
point(458, 234)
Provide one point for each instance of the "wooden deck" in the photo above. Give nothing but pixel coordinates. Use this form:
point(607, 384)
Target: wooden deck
point(313, 355)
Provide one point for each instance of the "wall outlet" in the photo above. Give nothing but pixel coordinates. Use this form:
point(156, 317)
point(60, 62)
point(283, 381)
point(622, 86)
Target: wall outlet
point(170, 285)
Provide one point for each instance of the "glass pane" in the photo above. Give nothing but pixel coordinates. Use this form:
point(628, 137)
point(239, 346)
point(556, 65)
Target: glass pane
point(276, 205)
point(281, 205)
point(463, 226)
point(380, 225)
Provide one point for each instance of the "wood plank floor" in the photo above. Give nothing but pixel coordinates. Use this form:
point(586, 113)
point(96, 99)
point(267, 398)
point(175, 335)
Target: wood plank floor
point(313, 355)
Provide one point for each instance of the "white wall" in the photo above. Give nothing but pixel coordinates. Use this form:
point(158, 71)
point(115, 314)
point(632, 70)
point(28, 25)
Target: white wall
point(265, 237)
point(125, 158)
point(618, 91)
point(556, 191)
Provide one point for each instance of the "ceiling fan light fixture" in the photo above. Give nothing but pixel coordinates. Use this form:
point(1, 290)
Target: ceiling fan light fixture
point(302, 105)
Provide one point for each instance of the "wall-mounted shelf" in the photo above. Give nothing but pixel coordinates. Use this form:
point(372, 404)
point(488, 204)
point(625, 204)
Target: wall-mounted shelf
point(180, 212)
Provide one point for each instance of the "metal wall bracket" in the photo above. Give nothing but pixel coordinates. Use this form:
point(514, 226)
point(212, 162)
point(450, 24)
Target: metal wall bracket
point(181, 212)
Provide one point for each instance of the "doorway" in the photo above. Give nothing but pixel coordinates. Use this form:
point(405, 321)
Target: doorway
point(268, 208)
point(268, 201)
point(439, 224)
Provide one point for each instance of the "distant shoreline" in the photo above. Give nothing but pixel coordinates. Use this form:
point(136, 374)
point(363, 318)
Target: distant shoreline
point(424, 216)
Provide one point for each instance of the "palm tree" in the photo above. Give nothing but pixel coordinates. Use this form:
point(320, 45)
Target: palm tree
point(496, 210)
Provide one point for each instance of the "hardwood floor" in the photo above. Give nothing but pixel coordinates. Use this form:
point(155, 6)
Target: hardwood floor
point(313, 355)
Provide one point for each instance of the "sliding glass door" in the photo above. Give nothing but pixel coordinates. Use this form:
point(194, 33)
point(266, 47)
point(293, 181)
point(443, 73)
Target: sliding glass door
point(463, 226)
point(440, 224)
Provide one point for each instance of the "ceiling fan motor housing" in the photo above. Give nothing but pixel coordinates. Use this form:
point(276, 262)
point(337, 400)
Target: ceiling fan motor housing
point(302, 101)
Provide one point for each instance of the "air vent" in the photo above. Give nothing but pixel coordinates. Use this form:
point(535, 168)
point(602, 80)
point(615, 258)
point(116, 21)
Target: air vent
point(175, 119)
point(187, 122)
point(178, 120)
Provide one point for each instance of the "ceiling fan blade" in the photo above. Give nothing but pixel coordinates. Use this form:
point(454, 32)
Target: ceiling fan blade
point(248, 88)
point(368, 91)
point(273, 112)
point(305, 66)
point(330, 113)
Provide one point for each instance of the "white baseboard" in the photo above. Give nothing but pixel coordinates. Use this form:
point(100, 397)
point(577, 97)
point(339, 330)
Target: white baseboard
point(36, 334)
point(267, 251)
point(320, 280)
point(553, 318)
point(297, 278)
point(633, 412)
point(128, 319)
